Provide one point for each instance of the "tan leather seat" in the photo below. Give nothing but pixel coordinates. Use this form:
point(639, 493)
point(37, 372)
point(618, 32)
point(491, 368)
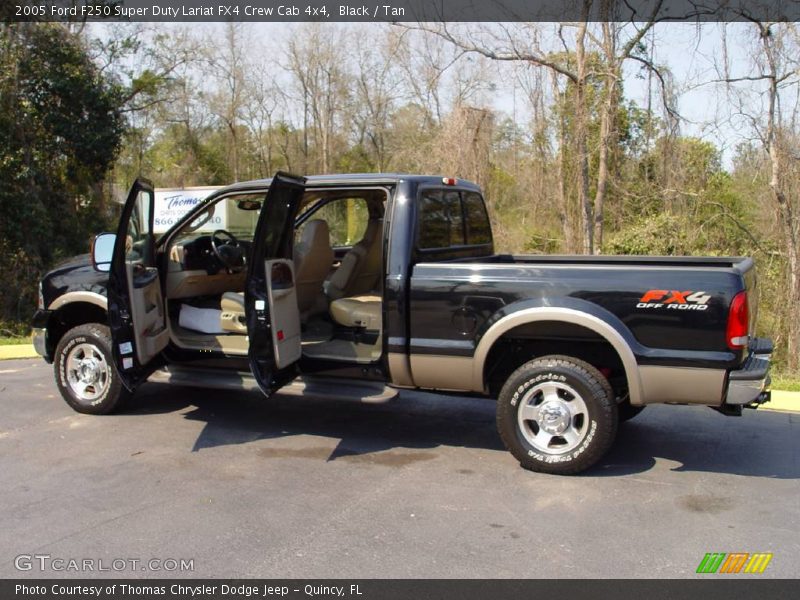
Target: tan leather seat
point(313, 259)
point(232, 301)
point(232, 316)
point(361, 267)
point(358, 311)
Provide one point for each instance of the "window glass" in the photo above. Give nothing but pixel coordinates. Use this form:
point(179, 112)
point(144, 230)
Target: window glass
point(452, 201)
point(138, 240)
point(347, 220)
point(230, 214)
point(441, 223)
point(479, 231)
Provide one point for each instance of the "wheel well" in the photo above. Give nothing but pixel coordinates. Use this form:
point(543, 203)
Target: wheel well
point(540, 338)
point(69, 316)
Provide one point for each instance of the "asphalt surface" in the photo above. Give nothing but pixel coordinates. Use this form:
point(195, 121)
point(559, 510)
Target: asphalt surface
point(418, 487)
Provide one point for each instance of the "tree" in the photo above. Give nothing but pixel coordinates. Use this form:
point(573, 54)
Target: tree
point(501, 43)
point(764, 101)
point(321, 80)
point(60, 130)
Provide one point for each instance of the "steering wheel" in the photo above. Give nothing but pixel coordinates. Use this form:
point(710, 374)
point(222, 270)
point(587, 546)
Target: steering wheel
point(228, 250)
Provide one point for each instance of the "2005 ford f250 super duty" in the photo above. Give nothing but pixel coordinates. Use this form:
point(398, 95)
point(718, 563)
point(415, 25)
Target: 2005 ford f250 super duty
point(357, 285)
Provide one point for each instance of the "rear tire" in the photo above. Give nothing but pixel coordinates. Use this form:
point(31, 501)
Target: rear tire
point(85, 371)
point(557, 414)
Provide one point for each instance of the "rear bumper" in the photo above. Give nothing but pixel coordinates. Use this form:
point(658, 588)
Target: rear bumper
point(749, 385)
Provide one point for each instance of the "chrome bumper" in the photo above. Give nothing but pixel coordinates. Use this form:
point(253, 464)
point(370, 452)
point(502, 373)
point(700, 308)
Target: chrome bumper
point(39, 341)
point(750, 383)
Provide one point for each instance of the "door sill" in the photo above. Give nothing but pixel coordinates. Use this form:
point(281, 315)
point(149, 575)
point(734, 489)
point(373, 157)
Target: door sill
point(369, 392)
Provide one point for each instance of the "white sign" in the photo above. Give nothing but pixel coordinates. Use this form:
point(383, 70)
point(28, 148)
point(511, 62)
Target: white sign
point(172, 204)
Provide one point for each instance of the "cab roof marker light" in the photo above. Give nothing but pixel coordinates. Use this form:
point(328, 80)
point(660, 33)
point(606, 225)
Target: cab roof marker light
point(449, 180)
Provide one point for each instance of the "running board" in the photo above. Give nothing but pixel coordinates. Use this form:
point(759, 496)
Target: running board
point(371, 392)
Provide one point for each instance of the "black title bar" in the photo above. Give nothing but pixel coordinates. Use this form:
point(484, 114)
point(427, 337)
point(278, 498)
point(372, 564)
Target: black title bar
point(399, 10)
point(712, 588)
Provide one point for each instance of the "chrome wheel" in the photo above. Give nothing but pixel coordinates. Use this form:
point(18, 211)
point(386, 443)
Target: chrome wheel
point(87, 372)
point(553, 417)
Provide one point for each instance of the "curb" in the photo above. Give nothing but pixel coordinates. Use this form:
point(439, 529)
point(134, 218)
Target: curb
point(16, 351)
point(783, 402)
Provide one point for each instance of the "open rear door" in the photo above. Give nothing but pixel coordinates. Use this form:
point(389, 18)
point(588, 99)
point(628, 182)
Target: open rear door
point(273, 317)
point(136, 312)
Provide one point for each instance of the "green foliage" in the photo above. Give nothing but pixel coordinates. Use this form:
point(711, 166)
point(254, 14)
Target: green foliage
point(663, 235)
point(60, 131)
point(355, 160)
point(785, 383)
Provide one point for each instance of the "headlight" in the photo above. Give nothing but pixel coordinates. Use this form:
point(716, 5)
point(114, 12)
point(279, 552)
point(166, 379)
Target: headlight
point(41, 297)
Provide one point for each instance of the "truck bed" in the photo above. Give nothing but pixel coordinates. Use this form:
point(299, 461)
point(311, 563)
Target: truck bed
point(636, 290)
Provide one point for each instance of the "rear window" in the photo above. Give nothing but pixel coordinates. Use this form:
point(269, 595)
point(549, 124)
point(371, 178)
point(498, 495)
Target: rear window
point(450, 218)
point(479, 231)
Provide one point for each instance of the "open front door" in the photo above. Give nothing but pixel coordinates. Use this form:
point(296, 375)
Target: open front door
point(135, 305)
point(273, 317)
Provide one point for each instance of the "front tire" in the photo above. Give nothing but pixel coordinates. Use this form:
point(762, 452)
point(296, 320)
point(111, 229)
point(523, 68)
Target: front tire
point(557, 414)
point(85, 371)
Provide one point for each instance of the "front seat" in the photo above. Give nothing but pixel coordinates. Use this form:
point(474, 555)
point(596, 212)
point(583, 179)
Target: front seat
point(313, 258)
point(232, 313)
point(361, 267)
point(358, 311)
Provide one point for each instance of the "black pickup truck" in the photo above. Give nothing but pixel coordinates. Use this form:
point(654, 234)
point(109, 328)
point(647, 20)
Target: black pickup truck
point(357, 285)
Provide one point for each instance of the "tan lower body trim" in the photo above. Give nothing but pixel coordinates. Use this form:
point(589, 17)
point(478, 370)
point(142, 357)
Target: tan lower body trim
point(399, 369)
point(684, 385)
point(442, 372)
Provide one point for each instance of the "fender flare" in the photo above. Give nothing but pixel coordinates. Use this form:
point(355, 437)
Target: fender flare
point(607, 326)
point(79, 296)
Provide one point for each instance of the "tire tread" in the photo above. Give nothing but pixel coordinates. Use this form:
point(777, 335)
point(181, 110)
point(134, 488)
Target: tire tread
point(600, 389)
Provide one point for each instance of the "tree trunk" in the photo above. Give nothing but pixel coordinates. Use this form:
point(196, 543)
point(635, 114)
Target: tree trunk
point(563, 202)
point(581, 143)
point(607, 126)
point(792, 249)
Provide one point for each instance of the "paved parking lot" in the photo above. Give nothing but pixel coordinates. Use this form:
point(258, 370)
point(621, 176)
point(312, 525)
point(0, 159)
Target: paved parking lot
point(417, 487)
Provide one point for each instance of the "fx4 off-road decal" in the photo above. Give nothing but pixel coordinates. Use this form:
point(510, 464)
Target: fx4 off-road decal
point(674, 300)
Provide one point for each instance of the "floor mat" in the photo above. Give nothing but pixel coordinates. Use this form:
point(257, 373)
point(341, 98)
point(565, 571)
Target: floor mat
point(344, 350)
point(317, 329)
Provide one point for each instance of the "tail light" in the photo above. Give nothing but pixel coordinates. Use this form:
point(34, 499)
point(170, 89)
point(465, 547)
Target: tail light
point(738, 322)
point(40, 299)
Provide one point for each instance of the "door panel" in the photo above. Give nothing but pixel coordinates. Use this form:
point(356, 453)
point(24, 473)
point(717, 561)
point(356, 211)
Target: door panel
point(273, 318)
point(285, 313)
point(147, 311)
point(135, 303)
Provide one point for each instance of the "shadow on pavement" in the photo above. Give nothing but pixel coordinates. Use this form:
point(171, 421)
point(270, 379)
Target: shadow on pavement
point(412, 421)
point(760, 444)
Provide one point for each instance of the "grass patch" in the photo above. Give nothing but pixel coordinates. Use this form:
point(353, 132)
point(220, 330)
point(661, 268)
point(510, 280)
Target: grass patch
point(14, 341)
point(785, 383)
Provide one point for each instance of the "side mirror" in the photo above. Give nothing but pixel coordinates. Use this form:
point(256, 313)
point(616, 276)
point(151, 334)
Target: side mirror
point(102, 251)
